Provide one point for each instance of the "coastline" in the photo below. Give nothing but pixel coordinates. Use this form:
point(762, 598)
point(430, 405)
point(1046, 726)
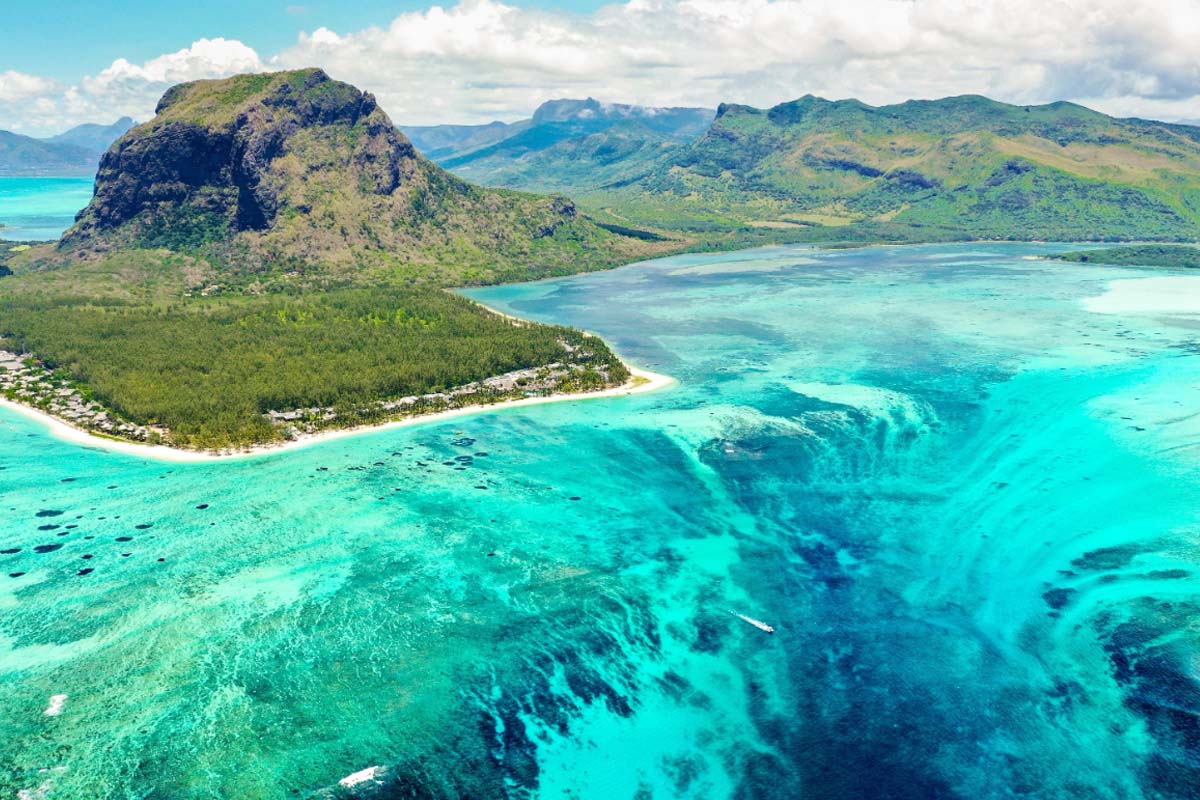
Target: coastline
point(641, 382)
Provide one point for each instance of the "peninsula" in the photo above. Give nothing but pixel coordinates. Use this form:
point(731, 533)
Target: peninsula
point(268, 258)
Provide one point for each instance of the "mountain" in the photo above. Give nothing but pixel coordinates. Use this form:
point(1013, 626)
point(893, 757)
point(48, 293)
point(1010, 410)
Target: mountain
point(293, 172)
point(73, 153)
point(268, 255)
point(568, 145)
point(448, 141)
point(91, 136)
point(953, 168)
point(24, 155)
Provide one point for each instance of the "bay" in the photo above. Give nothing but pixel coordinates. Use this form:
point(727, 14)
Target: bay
point(40, 209)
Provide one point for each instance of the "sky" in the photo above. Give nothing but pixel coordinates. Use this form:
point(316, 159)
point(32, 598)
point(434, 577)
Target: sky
point(71, 61)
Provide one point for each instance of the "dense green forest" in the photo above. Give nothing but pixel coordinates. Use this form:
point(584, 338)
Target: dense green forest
point(208, 369)
point(1142, 255)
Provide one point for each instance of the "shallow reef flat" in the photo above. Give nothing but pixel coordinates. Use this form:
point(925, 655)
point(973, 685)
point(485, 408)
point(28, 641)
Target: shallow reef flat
point(963, 499)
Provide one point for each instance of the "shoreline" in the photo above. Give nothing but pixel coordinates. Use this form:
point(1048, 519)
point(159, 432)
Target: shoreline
point(641, 382)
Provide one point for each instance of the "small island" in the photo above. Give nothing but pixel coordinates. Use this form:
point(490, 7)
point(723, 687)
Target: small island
point(1138, 255)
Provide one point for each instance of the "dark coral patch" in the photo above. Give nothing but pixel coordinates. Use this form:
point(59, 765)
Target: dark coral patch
point(1057, 598)
point(49, 512)
point(85, 571)
point(46, 548)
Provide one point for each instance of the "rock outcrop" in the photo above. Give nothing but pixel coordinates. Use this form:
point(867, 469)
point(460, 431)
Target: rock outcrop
point(294, 170)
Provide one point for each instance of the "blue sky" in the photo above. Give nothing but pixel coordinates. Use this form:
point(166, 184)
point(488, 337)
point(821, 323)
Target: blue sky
point(63, 39)
point(63, 62)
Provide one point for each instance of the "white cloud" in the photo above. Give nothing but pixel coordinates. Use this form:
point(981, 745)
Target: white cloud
point(206, 58)
point(479, 60)
point(120, 89)
point(17, 86)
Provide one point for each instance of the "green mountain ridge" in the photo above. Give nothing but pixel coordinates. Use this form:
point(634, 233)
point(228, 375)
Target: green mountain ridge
point(959, 167)
point(93, 136)
point(567, 145)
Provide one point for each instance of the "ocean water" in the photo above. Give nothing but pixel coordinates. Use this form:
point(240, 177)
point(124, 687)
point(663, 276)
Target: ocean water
point(39, 209)
point(964, 491)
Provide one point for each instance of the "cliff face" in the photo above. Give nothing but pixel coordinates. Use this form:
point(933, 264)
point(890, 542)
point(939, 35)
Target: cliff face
point(296, 170)
point(221, 163)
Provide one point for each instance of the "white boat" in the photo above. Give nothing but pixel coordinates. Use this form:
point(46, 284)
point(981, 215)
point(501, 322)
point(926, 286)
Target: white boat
point(758, 623)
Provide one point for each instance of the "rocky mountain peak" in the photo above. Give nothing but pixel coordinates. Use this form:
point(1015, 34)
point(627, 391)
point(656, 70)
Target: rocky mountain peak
point(218, 157)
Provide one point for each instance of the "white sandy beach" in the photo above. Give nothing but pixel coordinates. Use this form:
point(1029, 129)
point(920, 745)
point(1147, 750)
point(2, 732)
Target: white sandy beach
point(1174, 294)
point(642, 381)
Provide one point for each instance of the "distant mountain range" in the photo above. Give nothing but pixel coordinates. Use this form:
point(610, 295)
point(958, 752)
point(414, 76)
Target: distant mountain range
point(954, 168)
point(951, 168)
point(566, 145)
point(73, 153)
point(958, 167)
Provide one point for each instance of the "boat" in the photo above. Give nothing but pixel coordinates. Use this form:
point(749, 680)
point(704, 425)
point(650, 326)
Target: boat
point(758, 623)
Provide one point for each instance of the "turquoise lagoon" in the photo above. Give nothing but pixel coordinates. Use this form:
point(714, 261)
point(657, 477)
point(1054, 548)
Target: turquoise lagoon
point(39, 209)
point(968, 502)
